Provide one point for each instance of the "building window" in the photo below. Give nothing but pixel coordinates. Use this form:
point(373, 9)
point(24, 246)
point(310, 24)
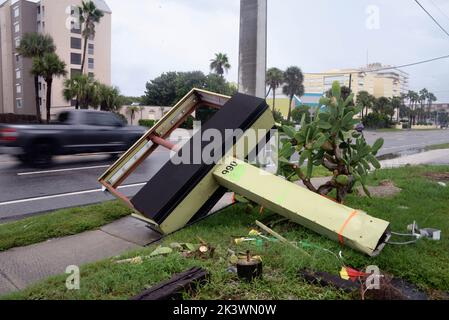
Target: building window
point(91, 63)
point(18, 74)
point(17, 42)
point(91, 48)
point(74, 73)
point(91, 75)
point(16, 12)
point(19, 103)
point(18, 88)
point(74, 29)
point(40, 101)
point(17, 28)
point(75, 58)
point(17, 58)
point(40, 86)
point(75, 43)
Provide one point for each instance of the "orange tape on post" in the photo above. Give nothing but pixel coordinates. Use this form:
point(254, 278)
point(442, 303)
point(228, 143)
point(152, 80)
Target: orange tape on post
point(343, 227)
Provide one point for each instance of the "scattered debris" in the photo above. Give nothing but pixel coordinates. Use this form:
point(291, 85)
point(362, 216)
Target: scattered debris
point(231, 269)
point(438, 176)
point(395, 289)
point(347, 273)
point(326, 279)
point(239, 241)
point(161, 251)
point(417, 234)
point(385, 189)
point(249, 268)
point(136, 260)
point(173, 288)
point(442, 184)
point(429, 233)
point(390, 288)
point(279, 237)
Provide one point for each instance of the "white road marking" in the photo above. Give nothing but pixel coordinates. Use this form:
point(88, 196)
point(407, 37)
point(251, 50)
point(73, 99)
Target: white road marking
point(61, 170)
point(66, 194)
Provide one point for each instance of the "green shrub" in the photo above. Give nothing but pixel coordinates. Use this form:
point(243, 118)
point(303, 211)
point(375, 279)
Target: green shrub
point(278, 116)
point(330, 141)
point(147, 123)
point(298, 112)
point(376, 121)
point(188, 124)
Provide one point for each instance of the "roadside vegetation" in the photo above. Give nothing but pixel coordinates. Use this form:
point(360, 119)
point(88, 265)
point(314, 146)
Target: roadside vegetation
point(59, 223)
point(423, 264)
point(438, 147)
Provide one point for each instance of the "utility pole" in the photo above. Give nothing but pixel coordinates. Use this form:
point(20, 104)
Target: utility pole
point(350, 83)
point(253, 47)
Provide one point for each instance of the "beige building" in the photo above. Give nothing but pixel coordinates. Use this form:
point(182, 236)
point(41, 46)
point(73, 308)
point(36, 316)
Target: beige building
point(387, 83)
point(144, 113)
point(58, 18)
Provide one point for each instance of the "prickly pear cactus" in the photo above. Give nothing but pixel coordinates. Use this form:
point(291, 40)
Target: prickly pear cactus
point(330, 141)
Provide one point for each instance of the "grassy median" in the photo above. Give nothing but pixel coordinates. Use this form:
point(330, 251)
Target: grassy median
point(59, 223)
point(424, 264)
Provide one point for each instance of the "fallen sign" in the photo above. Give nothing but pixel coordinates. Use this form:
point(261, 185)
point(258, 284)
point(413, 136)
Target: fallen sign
point(181, 193)
point(353, 228)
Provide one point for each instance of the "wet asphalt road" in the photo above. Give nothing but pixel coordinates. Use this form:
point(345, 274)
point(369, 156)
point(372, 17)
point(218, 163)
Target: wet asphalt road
point(73, 181)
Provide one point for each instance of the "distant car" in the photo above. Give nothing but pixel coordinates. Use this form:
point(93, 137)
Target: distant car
point(75, 132)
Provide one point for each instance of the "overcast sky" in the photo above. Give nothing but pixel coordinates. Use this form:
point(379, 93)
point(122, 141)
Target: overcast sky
point(154, 36)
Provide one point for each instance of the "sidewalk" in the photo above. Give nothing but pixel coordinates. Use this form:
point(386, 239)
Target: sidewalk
point(23, 266)
point(429, 157)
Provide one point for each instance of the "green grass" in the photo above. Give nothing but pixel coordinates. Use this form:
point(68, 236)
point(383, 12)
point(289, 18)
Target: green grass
point(389, 130)
point(438, 147)
point(424, 264)
point(59, 223)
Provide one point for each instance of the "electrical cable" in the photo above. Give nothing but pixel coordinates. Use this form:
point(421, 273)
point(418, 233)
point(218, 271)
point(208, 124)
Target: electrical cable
point(439, 9)
point(381, 69)
point(402, 243)
point(430, 15)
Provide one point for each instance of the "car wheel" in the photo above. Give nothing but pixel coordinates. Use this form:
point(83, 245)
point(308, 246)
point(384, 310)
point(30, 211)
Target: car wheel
point(42, 154)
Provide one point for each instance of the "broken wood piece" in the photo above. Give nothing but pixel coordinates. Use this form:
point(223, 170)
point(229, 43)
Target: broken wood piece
point(172, 289)
point(326, 279)
point(279, 237)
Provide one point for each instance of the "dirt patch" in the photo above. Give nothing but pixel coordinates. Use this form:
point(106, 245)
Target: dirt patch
point(438, 176)
point(385, 189)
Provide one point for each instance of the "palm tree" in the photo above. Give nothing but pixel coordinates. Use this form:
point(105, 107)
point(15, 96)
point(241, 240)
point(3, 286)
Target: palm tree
point(110, 98)
point(366, 101)
point(396, 103)
point(293, 79)
point(220, 64)
point(34, 45)
point(89, 16)
point(413, 98)
point(48, 66)
point(275, 78)
point(132, 111)
point(423, 94)
point(82, 88)
point(431, 98)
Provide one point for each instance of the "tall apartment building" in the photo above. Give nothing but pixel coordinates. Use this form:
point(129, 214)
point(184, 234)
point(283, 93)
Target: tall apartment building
point(58, 19)
point(387, 83)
